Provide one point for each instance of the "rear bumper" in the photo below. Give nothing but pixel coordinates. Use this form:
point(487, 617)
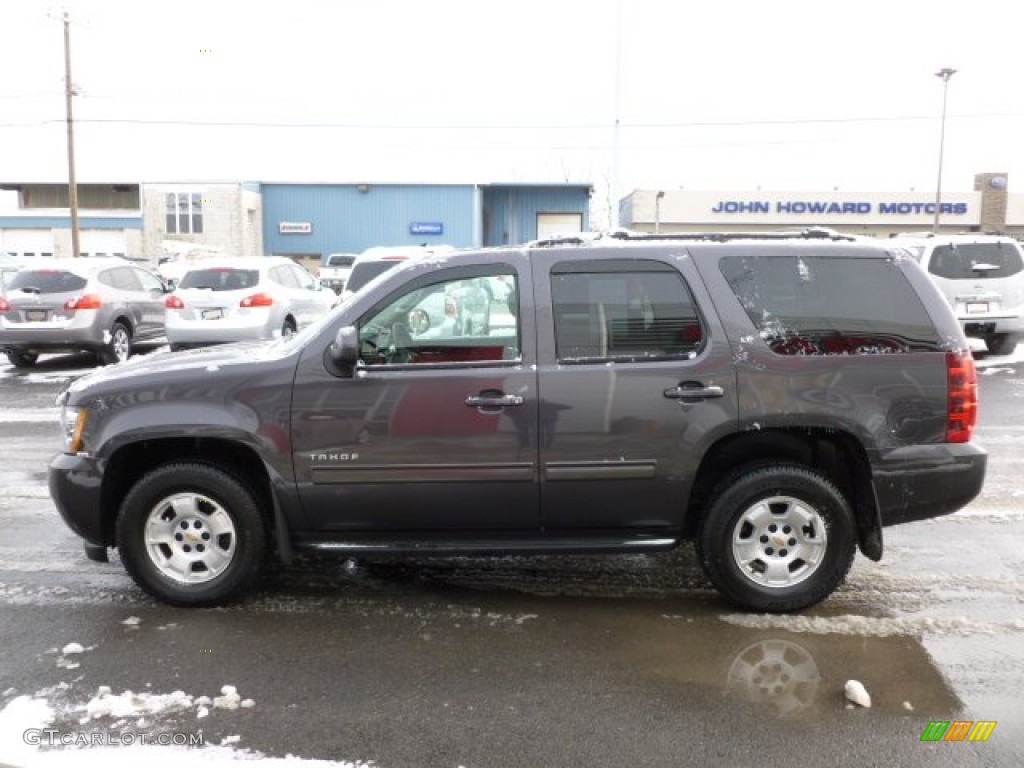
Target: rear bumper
point(75, 488)
point(247, 328)
point(52, 338)
point(921, 482)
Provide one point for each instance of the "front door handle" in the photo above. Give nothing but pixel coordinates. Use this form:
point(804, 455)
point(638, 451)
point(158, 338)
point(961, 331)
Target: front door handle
point(493, 399)
point(692, 391)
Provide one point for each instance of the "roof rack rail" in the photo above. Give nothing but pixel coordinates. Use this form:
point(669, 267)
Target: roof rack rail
point(805, 233)
point(583, 238)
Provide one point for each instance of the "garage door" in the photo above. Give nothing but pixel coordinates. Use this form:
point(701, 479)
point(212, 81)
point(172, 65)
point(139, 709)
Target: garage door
point(551, 224)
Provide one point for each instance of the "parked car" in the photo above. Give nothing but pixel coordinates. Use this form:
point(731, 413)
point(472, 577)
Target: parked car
point(335, 269)
point(377, 260)
point(238, 298)
point(982, 277)
point(104, 305)
point(779, 400)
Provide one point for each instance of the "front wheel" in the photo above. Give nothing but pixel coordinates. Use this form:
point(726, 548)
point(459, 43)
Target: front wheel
point(191, 534)
point(777, 538)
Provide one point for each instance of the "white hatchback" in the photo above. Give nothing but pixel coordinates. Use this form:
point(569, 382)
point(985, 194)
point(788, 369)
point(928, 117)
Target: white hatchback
point(239, 298)
point(982, 277)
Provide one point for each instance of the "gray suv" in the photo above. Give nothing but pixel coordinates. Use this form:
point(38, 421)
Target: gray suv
point(99, 304)
point(778, 399)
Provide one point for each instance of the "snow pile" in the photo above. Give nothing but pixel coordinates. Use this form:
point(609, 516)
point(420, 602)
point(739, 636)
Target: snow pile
point(855, 692)
point(130, 704)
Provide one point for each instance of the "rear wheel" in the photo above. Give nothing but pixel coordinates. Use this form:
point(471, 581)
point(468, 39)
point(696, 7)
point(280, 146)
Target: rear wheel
point(777, 538)
point(1001, 343)
point(119, 345)
point(191, 534)
point(22, 359)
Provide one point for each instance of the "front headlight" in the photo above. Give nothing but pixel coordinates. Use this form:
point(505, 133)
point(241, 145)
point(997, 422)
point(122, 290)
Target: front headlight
point(72, 425)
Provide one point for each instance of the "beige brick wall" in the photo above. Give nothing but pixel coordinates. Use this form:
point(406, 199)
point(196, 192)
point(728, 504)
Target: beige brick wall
point(231, 218)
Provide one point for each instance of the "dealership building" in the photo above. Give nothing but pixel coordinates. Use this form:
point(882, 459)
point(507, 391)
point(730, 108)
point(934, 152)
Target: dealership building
point(305, 221)
point(302, 221)
point(989, 208)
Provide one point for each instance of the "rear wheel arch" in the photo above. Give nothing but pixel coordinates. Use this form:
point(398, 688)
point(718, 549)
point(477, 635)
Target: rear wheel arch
point(838, 456)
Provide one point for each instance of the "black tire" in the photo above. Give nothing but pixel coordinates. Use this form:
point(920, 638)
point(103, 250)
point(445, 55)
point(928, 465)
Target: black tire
point(119, 348)
point(1001, 343)
point(215, 523)
point(22, 359)
point(777, 538)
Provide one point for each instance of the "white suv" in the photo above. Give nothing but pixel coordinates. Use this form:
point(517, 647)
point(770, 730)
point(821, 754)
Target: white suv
point(982, 277)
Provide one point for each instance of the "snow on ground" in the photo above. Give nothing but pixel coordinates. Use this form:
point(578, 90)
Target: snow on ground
point(28, 725)
point(872, 626)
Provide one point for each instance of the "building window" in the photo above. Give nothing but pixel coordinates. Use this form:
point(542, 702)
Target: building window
point(184, 213)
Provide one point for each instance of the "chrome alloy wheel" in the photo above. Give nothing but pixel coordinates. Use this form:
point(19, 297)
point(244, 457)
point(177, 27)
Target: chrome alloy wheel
point(779, 541)
point(190, 538)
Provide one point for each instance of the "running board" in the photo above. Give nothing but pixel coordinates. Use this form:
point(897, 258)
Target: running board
point(488, 546)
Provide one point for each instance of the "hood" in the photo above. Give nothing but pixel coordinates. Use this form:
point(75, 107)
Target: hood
point(187, 364)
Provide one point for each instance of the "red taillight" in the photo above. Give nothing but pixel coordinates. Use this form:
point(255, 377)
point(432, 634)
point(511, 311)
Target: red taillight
point(962, 406)
point(257, 300)
point(174, 302)
point(5, 305)
point(86, 301)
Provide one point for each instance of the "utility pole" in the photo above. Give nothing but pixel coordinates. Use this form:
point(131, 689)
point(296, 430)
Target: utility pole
point(69, 92)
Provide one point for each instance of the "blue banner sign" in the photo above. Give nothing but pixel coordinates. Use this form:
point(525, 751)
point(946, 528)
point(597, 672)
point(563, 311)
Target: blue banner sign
point(426, 228)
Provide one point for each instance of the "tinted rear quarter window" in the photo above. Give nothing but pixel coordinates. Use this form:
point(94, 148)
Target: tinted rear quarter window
point(821, 305)
point(970, 261)
point(365, 271)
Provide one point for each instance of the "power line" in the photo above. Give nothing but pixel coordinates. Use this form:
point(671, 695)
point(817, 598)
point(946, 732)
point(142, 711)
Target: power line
point(744, 123)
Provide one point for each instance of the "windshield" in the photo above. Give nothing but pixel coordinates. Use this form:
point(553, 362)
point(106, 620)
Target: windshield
point(220, 279)
point(46, 281)
point(971, 261)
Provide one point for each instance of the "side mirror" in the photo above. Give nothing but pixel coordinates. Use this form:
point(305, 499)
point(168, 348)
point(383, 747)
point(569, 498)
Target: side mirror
point(343, 353)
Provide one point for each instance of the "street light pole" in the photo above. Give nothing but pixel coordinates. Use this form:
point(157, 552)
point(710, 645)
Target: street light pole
point(69, 92)
point(944, 74)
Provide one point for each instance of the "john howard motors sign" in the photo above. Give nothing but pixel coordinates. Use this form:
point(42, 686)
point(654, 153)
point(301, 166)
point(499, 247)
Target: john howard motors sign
point(839, 208)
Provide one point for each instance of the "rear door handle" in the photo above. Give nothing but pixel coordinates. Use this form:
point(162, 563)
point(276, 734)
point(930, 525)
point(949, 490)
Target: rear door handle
point(692, 391)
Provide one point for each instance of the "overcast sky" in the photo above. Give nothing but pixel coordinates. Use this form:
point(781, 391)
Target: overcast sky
point(732, 95)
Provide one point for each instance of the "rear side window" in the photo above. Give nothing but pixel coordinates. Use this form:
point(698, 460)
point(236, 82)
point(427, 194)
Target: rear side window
point(639, 312)
point(220, 279)
point(46, 281)
point(970, 261)
point(807, 305)
point(121, 278)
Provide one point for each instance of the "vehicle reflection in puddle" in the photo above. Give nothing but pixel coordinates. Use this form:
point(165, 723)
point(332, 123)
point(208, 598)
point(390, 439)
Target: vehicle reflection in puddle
point(629, 620)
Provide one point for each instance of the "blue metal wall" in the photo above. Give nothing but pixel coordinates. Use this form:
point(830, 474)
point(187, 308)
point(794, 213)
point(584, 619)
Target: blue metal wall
point(510, 212)
point(344, 219)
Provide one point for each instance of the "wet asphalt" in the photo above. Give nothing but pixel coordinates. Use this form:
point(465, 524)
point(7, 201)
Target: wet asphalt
point(527, 661)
